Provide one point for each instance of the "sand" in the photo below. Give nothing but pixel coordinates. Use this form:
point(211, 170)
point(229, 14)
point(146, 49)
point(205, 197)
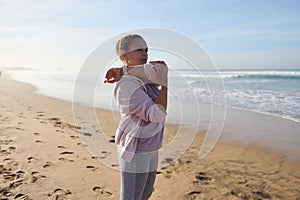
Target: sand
point(43, 157)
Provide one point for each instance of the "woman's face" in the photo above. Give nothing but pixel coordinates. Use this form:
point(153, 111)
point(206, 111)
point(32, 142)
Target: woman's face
point(137, 53)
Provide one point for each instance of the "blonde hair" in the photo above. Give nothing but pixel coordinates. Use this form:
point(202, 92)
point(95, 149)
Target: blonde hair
point(125, 42)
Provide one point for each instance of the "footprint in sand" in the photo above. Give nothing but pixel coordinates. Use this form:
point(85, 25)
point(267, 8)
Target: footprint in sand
point(36, 176)
point(193, 195)
point(74, 136)
point(104, 154)
point(188, 161)
point(87, 134)
point(167, 174)
point(39, 141)
point(61, 194)
point(203, 177)
point(114, 165)
point(36, 134)
point(20, 174)
point(73, 127)
point(34, 173)
point(12, 165)
point(7, 159)
point(65, 160)
point(48, 164)
point(4, 152)
point(32, 159)
point(11, 148)
point(102, 191)
point(6, 142)
point(58, 124)
point(16, 183)
point(56, 121)
point(93, 168)
point(9, 176)
point(21, 196)
point(21, 116)
point(6, 193)
point(66, 152)
point(61, 147)
point(111, 141)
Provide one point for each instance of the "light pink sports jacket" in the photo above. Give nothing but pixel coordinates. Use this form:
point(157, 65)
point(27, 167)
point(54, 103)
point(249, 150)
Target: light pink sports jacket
point(142, 121)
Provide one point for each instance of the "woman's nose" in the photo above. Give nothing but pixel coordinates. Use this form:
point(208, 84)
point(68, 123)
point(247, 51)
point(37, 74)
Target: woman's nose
point(145, 52)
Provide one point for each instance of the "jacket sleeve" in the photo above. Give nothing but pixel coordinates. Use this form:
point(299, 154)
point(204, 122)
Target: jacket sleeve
point(153, 73)
point(132, 99)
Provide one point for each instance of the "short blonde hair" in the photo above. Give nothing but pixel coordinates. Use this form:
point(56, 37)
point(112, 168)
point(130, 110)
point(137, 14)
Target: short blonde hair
point(125, 42)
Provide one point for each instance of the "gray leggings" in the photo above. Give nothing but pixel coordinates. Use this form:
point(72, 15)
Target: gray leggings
point(137, 186)
point(138, 176)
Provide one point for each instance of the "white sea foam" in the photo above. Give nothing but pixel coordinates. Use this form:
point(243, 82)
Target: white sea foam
point(273, 92)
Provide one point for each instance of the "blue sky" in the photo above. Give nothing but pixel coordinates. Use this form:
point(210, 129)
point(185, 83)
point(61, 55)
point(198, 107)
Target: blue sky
point(235, 33)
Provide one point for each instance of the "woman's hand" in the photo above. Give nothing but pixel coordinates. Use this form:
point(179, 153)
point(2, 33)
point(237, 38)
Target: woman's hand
point(161, 71)
point(113, 75)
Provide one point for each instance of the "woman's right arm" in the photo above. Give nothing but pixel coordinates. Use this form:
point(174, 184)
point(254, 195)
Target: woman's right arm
point(149, 72)
point(162, 98)
point(133, 99)
point(161, 78)
point(157, 73)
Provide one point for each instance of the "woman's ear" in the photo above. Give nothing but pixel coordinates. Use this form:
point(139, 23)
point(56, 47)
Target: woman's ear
point(122, 54)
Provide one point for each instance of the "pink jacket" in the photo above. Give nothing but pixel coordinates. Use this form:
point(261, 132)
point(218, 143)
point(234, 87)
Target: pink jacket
point(142, 121)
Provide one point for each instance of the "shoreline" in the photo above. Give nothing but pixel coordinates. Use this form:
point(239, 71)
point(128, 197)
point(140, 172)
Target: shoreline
point(236, 129)
point(43, 157)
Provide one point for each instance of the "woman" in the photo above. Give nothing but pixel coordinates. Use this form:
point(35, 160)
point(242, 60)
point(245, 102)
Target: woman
point(141, 94)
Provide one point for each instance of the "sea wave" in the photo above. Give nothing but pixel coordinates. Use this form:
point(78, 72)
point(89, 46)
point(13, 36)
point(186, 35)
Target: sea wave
point(256, 74)
point(269, 76)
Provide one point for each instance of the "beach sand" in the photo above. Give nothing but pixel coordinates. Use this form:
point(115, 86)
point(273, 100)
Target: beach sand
point(42, 157)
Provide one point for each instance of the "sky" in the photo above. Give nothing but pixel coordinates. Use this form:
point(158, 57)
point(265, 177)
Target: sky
point(236, 34)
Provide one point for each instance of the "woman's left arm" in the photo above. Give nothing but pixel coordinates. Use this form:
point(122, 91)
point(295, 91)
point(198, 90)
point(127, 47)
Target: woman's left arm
point(114, 74)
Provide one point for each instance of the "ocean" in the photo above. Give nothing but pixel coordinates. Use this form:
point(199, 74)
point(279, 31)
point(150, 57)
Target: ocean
point(249, 106)
point(272, 92)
